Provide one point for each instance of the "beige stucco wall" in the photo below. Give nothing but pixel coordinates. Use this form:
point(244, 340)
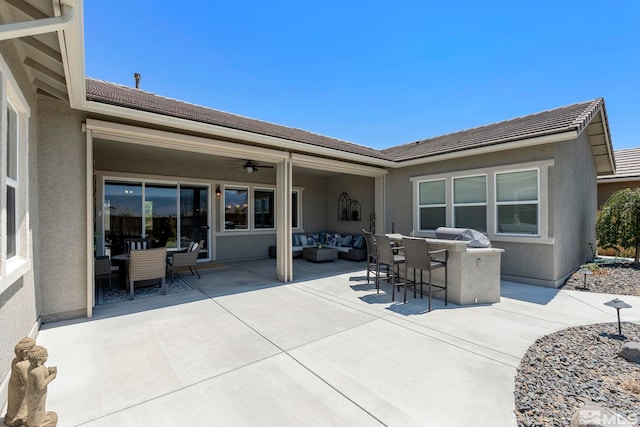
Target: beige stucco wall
point(358, 188)
point(61, 246)
point(18, 301)
point(571, 208)
point(575, 200)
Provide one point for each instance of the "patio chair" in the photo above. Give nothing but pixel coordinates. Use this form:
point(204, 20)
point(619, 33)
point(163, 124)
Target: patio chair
point(185, 259)
point(102, 268)
point(137, 243)
point(147, 265)
point(419, 257)
point(388, 257)
point(372, 255)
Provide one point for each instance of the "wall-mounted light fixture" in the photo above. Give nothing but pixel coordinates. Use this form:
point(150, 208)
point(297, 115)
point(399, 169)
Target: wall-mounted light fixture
point(218, 193)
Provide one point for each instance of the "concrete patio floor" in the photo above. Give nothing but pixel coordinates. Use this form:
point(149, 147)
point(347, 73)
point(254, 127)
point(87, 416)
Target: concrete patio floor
point(242, 349)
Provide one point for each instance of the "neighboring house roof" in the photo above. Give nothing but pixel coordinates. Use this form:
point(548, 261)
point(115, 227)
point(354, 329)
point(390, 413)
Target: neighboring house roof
point(123, 96)
point(627, 166)
point(555, 121)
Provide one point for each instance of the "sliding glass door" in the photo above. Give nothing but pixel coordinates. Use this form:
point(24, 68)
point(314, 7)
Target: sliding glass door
point(169, 214)
point(194, 217)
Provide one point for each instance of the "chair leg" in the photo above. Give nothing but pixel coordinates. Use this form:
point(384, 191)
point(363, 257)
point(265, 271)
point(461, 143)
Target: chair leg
point(197, 273)
point(393, 283)
point(446, 284)
point(131, 286)
point(163, 287)
point(429, 309)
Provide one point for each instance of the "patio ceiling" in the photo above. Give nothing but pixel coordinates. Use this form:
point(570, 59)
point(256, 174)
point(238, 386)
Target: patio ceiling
point(40, 54)
point(110, 155)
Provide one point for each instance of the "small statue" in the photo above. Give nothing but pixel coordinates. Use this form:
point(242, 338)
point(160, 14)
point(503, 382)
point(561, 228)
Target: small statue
point(39, 378)
point(17, 404)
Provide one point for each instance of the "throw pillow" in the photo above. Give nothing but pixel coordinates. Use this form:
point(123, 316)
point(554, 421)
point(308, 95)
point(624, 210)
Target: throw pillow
point(332, 240)
point(312, 239)
point(303, 240)
point(345, 241)
point(358, 242)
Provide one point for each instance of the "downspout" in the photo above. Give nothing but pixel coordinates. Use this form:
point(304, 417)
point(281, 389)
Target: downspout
point(39, 26)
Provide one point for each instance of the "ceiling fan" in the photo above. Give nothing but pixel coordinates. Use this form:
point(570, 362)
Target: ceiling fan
point(250, 167)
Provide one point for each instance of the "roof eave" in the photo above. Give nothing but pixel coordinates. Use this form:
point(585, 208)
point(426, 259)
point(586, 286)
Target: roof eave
point(517, 144)
point(221, 131)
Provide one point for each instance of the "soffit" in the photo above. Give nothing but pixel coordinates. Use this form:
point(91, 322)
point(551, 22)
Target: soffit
point(40, 54)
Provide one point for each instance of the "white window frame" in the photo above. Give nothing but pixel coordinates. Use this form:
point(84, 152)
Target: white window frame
point(545, 234)
point(223, 217)
point(497, 204)
point(14, 267)
point(435, 205)
point(455, 205)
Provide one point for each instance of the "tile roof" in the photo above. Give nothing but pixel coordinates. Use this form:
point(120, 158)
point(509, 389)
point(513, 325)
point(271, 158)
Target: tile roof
point(627, 164)
point(128, 97)
point(558, 120)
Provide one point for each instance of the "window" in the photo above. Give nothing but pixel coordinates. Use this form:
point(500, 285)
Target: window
point(432, 208)
point(517, 202)
point(263, 208)
point(236, 206)
point(170, 214)
point(470, 202)
point(295, 209)
point(12, 180)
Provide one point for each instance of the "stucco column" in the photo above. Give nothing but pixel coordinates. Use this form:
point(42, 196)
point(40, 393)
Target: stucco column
point(379, 204)
point(284, 186)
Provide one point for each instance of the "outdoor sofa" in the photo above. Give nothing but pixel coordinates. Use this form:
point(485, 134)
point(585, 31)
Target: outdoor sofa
point(349, 246)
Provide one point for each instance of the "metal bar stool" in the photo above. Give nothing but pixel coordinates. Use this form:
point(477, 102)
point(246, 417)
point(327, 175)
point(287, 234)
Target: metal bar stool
point(388, 258)
point(418, 257)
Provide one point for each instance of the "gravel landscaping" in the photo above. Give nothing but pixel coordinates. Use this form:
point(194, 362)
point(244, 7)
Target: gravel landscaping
point(562, 372)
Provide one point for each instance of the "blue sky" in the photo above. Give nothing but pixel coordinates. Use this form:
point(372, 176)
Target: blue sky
point(376, 73)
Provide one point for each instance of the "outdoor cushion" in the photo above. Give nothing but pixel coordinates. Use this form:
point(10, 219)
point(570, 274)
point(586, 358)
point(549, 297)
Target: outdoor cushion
point(295, 240)
point(303, 239)
point(358, 242)
point(323, 238)
point(332, 239)
point(312, 239)
point(345, 241)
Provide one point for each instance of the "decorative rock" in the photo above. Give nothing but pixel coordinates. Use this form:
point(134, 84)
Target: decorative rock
point(39, 378)
point(631, 352)
point(17, 404)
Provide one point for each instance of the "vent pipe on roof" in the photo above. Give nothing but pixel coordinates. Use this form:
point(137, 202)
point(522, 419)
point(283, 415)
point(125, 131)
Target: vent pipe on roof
point(137, 77)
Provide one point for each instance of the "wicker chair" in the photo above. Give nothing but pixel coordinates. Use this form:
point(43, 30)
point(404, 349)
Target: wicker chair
point(102, 268)
point(147, 265)
point(185, 259)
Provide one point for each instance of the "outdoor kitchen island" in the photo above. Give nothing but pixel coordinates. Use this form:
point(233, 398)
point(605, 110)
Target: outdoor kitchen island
point(473, 273)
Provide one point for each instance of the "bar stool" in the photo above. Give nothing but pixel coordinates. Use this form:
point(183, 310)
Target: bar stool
point(387, 257)
point(372, 255)
point(418, 257)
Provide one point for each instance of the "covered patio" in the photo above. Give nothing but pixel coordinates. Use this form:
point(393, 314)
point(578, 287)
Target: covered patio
point(245, 349)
